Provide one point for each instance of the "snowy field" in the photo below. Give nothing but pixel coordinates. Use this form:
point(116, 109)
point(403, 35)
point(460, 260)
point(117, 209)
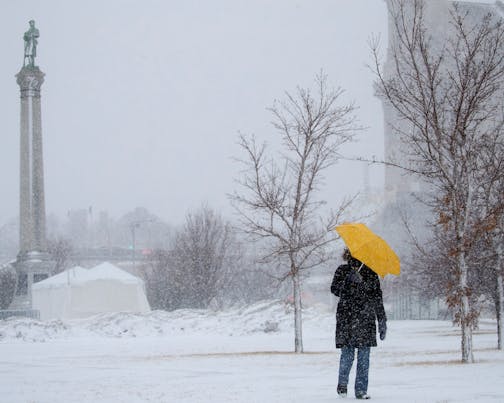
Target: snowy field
point(234, 356)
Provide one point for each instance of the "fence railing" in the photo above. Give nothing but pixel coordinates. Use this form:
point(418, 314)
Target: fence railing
point(27, 313)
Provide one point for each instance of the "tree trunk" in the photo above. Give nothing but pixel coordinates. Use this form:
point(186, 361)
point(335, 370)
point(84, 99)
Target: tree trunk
point(467, 354)
point(466, 325)
point(499, 303)
point(499, 311)
point(298, 332)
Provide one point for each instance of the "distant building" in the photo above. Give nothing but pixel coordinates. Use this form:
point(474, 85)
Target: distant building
point(77, 227)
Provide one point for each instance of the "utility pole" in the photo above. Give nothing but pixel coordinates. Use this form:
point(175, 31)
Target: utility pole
point(133, 226)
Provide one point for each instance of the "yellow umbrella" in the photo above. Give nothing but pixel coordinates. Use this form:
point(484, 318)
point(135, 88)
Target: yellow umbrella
point(369, 248)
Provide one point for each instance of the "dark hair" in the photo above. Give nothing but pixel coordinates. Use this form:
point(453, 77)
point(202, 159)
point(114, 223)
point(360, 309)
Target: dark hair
point(346, 255)
point(355, 263)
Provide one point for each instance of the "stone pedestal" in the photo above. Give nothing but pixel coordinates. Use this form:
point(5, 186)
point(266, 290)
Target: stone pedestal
point(33, 262)
point(33, 267)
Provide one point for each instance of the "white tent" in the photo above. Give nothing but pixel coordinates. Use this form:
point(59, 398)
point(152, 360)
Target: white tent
point(79, 292)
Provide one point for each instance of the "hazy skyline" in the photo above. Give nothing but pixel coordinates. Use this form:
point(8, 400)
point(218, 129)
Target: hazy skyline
point(143, 101)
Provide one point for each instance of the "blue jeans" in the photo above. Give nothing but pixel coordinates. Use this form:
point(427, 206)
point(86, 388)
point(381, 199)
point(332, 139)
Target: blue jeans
point(346, 361)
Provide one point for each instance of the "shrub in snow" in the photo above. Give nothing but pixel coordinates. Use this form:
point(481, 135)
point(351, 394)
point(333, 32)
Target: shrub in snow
point(7, 285)
point(270, 326)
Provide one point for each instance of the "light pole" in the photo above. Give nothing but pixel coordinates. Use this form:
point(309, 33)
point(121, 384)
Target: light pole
point(133, 226)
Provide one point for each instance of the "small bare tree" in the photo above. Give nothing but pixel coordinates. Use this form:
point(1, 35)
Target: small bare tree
point(205, 255)
point(161, 290)
point(448, 100)
point(8, 278)
point(60, 250)
point(206, 264)
point(277, 197)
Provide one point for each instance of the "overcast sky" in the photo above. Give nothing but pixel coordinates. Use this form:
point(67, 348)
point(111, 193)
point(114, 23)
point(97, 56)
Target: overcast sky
point(143, 100)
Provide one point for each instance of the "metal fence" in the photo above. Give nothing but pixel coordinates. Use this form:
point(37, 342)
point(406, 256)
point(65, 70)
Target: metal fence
point(412, 306)
point(28, 313)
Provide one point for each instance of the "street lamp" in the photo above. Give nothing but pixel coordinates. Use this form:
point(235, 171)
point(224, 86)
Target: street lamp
point(133, 226)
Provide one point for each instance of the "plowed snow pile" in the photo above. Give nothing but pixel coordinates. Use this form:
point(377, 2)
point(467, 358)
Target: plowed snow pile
point(262, 317)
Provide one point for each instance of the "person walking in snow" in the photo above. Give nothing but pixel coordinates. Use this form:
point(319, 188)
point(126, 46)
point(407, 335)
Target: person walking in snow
point(360, 305)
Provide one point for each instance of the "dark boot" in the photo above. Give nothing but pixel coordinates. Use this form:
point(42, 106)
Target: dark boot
point(362, 396)
point(342, 390)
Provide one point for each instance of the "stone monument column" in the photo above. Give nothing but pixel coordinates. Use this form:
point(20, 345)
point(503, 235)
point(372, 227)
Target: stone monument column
point(39, 242)
point(33, 261)
point(32, 235)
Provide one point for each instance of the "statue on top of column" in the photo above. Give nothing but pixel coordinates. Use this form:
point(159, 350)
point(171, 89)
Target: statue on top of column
point(30, 45)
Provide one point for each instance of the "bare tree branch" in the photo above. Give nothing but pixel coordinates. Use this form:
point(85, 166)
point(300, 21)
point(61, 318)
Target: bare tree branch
point(447, 97)
point(277, 200)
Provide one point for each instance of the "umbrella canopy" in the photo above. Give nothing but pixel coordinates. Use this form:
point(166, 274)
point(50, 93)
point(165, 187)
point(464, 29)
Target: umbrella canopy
point(369, 248)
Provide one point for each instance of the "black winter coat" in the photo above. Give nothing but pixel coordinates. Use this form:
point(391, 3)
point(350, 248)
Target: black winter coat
point(360, 304)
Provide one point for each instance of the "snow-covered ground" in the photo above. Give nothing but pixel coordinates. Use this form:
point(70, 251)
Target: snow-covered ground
point(234, 356)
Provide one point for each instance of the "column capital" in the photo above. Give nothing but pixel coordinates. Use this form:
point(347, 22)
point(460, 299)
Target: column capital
point(30, 79)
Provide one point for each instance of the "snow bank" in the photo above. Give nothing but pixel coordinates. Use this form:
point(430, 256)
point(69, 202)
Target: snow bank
point(262, 317)
point(25, 329)
point(241, 355)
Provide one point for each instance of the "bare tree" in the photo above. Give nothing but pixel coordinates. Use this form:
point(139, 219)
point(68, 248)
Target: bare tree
point(277, 197)
point(206, 264)
point(491, 224)
point(497, 242)
point(160, 289)
point(448, 100)
point(8, 278)
point(205, 254)
point(60, 250)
